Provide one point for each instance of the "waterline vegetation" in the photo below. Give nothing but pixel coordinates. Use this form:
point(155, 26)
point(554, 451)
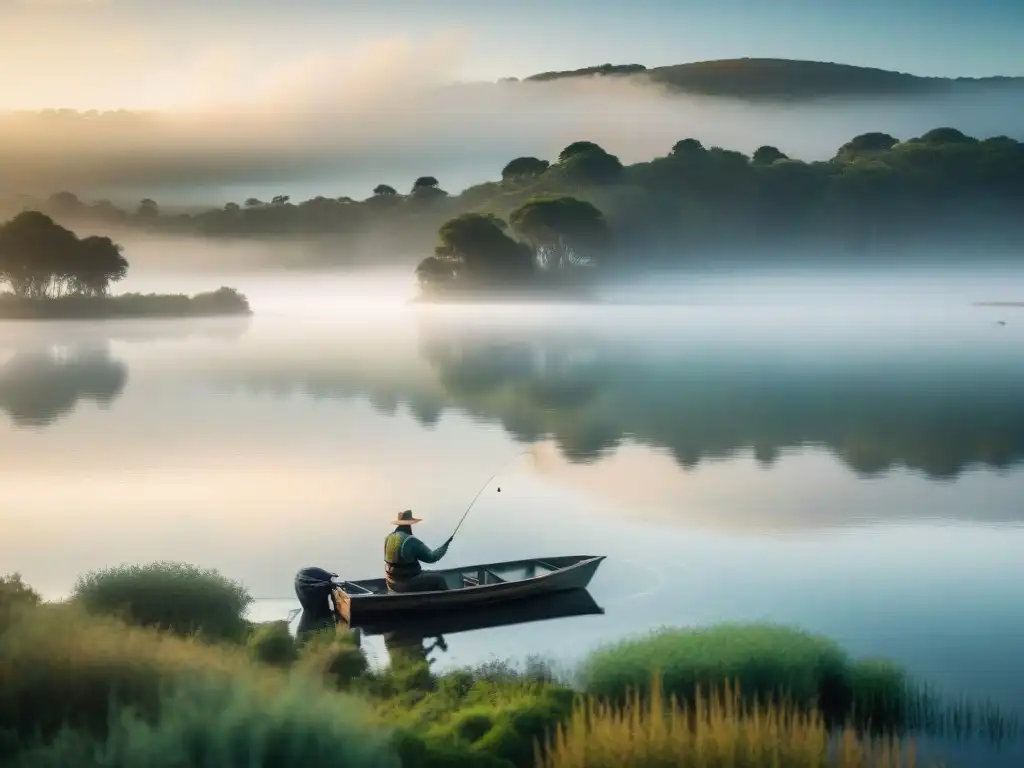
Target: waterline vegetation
point(54, 274)
point(81, 683)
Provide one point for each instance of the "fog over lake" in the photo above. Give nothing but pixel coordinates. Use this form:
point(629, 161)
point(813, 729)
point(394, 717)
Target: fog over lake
point(839, 451)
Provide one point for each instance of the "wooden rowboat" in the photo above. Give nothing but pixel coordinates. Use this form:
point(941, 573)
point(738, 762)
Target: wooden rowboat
point(470, 587)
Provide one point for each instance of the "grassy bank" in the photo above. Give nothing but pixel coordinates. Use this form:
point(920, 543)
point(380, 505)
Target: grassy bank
point(157, 666)
point(767, 661)
point(222, 302)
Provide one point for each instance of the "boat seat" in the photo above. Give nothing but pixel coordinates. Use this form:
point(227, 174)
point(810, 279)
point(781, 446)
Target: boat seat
point(490, 577)
point(483, 576)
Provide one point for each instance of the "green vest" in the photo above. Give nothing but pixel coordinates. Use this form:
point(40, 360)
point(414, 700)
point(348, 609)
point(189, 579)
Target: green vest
point(397, 567)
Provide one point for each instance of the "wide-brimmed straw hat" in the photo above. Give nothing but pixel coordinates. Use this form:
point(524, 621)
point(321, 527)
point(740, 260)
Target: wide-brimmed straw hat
point(406, 518)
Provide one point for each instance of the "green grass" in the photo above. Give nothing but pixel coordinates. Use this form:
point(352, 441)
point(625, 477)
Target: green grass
point(779, 663)
point(225, 724)
point(272, 644)
point(84, 688)
point(720, 730)
point(493, 720)
point(176, 597)
point(334, 658)
point(74, 685)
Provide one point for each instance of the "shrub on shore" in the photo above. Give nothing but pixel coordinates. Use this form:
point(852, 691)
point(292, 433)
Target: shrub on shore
point(176, 597)
point(73, 686)
point(272, 644)
point(768, 661)
point(225, 724)
point(15, 596)
point(333, 657)
point(79, 688)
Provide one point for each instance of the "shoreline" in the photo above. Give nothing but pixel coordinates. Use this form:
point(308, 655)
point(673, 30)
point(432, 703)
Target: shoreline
point(224, 302)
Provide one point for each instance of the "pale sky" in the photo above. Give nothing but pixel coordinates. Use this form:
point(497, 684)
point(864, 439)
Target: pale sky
point(107, 54)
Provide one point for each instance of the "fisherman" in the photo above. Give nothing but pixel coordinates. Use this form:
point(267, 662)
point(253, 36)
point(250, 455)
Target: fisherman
point(403, 554)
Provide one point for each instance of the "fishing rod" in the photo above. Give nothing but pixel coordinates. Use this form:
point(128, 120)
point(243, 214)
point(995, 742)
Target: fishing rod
point(484, 488)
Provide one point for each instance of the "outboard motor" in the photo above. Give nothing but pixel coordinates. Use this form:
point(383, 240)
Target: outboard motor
point(313, 588)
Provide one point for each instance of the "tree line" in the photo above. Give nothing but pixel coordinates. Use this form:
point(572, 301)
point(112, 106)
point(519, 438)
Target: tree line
point(875, 194)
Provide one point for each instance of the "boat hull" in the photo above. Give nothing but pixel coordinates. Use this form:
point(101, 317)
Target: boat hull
point(469, 588)
point(561, 605)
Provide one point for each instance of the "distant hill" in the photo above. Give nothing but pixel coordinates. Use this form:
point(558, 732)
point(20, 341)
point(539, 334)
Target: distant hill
point(782, 79)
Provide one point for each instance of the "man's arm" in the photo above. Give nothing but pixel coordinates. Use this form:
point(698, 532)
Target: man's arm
point(422, 552)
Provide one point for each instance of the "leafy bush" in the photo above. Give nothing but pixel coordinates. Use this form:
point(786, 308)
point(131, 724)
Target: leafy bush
point(177, 597)
point(768, 661)
point(495, 721)
point(226, 724)
point(77, 689)
point(15, 597)
point(333, 657)
point(273, 644)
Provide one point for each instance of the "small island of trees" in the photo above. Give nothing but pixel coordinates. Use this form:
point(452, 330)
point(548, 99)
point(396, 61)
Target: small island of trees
point(548, 244)
point(51, 273)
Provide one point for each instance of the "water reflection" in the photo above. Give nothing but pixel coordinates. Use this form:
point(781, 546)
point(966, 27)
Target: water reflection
point(200, 461)
point(412, 641)
point(47, 370)
point(939, 406)
point(41, 384)
point(936, 416)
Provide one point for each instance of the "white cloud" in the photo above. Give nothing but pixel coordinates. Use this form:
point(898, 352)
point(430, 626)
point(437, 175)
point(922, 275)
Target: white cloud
point(389, 106)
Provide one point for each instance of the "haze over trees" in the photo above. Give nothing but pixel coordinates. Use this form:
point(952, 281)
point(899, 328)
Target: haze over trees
point(877, 194)
point(551, 239)
point(51, 272)
point(40, 259)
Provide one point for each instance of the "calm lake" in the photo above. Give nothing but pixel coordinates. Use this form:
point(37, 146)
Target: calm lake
point(852, 467)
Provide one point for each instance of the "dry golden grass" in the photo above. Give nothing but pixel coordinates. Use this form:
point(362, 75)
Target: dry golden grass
point(717, 731)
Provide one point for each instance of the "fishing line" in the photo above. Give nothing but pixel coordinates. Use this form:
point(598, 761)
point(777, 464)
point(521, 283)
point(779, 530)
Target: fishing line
point(528, 451)
point(662, 581)
point(484, 488)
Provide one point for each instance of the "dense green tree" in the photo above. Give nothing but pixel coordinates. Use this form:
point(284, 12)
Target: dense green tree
point(866, 143)
point(427, 188)
point(148, 208)
point(41, 259)
point(766, 155)
point(475, 251)
point(424, 182)
point(595, 168)
point(95, 264)
point(579, 148)
point(942, 136)
point(524, 168)
point(384, 190)
point(686, 147)
point(563, 231)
